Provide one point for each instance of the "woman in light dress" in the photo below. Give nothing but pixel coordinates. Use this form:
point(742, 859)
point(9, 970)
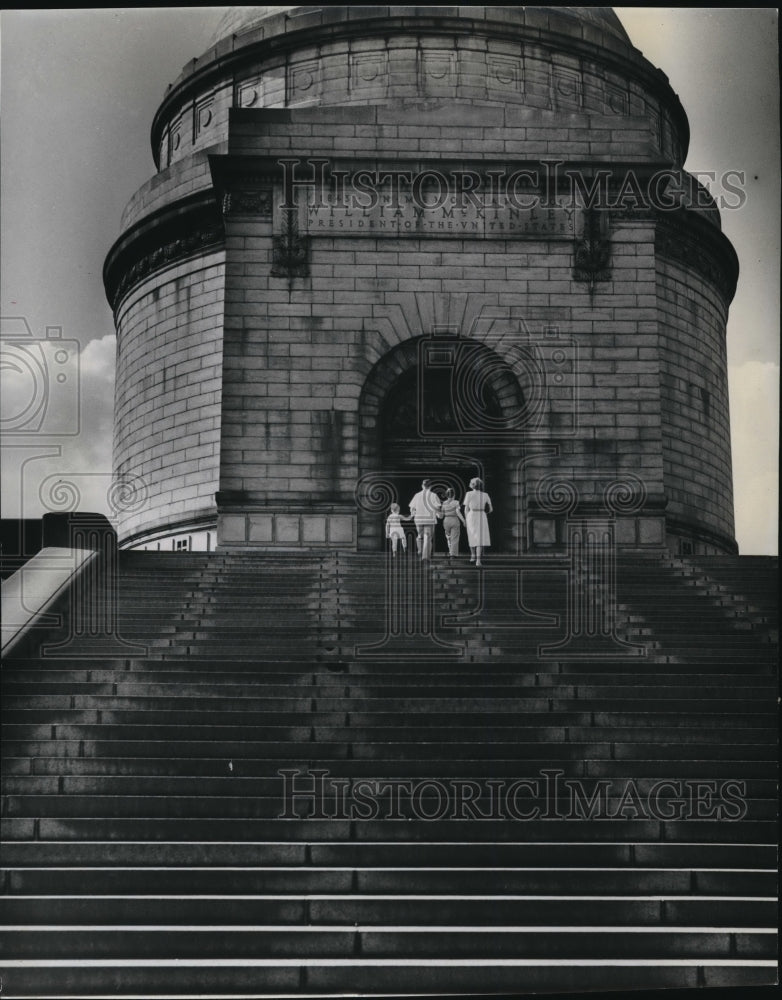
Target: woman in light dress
point(476, 505)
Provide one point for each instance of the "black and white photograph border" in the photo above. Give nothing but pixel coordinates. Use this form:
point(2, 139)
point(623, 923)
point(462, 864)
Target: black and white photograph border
point(389, 478)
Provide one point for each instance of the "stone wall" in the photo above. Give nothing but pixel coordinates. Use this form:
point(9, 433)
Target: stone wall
point(168, 391)
point(168, 186)
point(439, 129)
point(696, 421)
point(296, 361)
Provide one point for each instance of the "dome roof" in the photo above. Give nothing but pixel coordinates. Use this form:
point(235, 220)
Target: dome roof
point(237, 20)
point(599, 17)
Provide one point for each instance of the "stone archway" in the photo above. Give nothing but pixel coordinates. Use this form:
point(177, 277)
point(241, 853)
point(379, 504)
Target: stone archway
point(421, 415)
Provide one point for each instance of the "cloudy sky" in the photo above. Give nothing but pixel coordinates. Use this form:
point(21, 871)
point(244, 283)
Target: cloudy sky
point(79, 90)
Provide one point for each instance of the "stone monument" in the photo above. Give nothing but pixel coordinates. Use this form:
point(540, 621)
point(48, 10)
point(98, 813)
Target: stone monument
point(383, 242)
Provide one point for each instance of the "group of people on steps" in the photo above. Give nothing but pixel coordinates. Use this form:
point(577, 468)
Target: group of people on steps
point(427, 508)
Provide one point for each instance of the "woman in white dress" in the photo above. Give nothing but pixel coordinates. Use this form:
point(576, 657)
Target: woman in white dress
point(476, 505)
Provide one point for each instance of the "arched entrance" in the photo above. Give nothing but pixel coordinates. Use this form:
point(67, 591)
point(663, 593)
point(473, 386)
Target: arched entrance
point(419, 416)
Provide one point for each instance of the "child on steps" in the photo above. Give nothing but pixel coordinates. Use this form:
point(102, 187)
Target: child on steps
point(394, 530)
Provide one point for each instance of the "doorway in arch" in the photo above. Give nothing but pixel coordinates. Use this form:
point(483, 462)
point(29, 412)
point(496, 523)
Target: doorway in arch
point(411, 429)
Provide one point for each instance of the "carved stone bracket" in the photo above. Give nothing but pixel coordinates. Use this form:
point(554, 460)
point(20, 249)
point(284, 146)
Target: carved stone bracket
point(592, 253)
point(290, 250)
point(247, 203)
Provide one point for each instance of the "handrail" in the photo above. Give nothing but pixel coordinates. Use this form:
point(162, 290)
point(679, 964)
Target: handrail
point(33, 589)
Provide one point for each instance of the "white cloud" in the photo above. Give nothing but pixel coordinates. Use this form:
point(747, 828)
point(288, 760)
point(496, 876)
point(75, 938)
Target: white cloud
point(98, 358)
point(754, 408)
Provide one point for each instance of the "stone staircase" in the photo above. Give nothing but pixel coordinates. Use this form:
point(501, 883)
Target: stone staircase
point(314, 775)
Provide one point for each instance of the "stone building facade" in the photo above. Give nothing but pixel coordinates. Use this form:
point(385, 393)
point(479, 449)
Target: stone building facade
point(384, 243)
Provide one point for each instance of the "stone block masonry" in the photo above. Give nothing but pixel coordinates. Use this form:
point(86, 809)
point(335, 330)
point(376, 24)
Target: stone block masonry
point(294, 370)
point(169, 387)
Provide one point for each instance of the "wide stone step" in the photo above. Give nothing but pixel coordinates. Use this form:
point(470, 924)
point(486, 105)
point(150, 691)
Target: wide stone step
point(686, 769)
point(752, 666)
point(386, 677)
point(330, 685)
point(261, 684)
point(616, 803)
point(460, 677)
point(76, 741)
point(230, 784)
point(111, 726)
point(418, 909)
point(697, 656)
point(157, 828)
point(288, 880)
point(388, 977)
point(346, 941)
point(386, 725)
point(349, 854)
point(435, 751)
point(381, 677)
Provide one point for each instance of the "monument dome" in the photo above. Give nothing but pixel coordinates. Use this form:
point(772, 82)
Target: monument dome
point(237, 20)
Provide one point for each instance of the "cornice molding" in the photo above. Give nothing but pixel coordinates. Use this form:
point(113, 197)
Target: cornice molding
point(186, 229)
point(685, 238)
